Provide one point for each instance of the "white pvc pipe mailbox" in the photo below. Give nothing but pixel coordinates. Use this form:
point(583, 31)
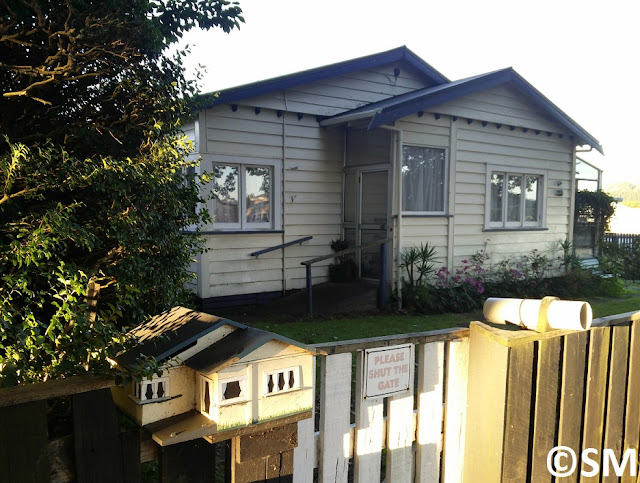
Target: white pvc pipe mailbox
point(539, 315)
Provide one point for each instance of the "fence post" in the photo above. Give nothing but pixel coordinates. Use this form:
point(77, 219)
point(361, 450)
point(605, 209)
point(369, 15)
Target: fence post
point(335, 403)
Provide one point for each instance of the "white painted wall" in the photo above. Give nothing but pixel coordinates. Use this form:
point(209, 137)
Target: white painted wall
point(311, 159)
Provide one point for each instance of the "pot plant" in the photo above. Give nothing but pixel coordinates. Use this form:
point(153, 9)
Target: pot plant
point(345, 268)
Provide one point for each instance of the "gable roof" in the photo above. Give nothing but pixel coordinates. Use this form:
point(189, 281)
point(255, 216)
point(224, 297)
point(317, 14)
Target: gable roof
point(233, 347)
point(169, 333)
point(175, 330)
point(399, 54)
point(389, 110)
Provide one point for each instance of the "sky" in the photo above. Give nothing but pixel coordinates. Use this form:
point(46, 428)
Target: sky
point(582, 55)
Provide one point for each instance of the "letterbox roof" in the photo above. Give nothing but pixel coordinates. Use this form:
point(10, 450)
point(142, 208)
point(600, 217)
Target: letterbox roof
point(167, 334)
point(234, 347)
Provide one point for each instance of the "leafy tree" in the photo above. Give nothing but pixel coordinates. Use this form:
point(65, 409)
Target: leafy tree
point(593, 212)
point(92, 172)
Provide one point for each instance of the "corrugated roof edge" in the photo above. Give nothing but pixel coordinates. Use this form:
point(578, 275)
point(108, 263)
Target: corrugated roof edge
point(228, 96)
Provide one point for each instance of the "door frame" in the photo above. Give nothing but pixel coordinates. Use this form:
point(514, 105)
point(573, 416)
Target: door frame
point(357, 224)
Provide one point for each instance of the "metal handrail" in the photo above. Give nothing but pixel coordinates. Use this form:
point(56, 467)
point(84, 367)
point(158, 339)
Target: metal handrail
point(383, 270)
point(345, 251)
point(278, 247)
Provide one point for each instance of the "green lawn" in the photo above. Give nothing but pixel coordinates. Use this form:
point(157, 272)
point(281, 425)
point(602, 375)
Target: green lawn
point(312, 331)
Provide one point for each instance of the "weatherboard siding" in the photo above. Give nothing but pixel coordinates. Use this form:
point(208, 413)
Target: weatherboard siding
point(515, 133)
point(338, 94)
point(473, 149)
point(502, 104)
point(481, 146)
point(311, 196)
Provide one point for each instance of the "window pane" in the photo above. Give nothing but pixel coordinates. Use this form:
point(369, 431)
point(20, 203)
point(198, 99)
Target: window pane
point(423, 176)
point(225, 192)
point(497, 195)
point(258, 184)
point(531, 199)
point(583, 170)
point(514, 197)
point(585, 184)
point(374, 198)
point(350, 198)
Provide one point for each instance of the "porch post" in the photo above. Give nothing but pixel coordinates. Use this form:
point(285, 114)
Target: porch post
point(309, 291)
point(382, 288)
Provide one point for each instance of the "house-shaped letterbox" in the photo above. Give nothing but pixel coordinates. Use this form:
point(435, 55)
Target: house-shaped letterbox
point(217, 376)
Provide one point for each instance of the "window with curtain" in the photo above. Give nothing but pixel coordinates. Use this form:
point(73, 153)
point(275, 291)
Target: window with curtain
point(424, 177)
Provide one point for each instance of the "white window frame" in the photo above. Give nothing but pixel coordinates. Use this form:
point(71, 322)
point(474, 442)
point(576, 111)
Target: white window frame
point(507, 171)
point(275, 374)
point(243, 380)
point(445, 190)
point(275, 165)
point(139, 390)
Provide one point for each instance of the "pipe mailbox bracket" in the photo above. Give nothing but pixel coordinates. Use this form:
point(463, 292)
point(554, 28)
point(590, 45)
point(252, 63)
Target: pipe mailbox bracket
point(544, 315)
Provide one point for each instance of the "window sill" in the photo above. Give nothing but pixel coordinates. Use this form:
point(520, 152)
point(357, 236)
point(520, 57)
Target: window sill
point(237, 232)
point(152, 401)
point(424, 215)
point(518, 228)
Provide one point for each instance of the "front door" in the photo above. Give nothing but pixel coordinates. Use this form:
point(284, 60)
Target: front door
point(366, 217)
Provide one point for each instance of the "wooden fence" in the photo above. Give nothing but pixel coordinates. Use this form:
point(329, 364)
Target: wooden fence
point(487, 405)
point(353, 432)
point(529, 393)
point(626, 240)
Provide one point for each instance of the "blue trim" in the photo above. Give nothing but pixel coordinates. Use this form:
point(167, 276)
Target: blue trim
point(233, 94)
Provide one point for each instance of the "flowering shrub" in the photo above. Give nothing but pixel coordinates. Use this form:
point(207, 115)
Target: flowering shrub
point(465, 287)
point(461, 290)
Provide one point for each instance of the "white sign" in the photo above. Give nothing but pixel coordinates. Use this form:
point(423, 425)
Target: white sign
point(387, 370)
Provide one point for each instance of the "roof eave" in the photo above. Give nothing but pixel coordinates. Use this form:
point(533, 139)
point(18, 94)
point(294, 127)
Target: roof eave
point(581, 135)
point(390, 114)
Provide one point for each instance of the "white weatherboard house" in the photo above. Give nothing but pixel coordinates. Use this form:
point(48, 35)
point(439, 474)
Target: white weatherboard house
point(375, 147)
point(217, 376)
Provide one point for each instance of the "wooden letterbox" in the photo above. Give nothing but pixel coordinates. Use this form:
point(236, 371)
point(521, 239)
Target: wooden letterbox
point(220, 379)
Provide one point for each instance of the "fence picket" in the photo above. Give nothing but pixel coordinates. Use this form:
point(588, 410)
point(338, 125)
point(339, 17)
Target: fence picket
point(617, 389)
point(572, 395)
point(456, 411)
point(304, 455)
point(368, 431)
point(335, 404)
point(623, 240)
point(632, 418)
point(400, 437)
point(546, 407)
point(595, 394)
point(430, 412)
point(517, 428)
